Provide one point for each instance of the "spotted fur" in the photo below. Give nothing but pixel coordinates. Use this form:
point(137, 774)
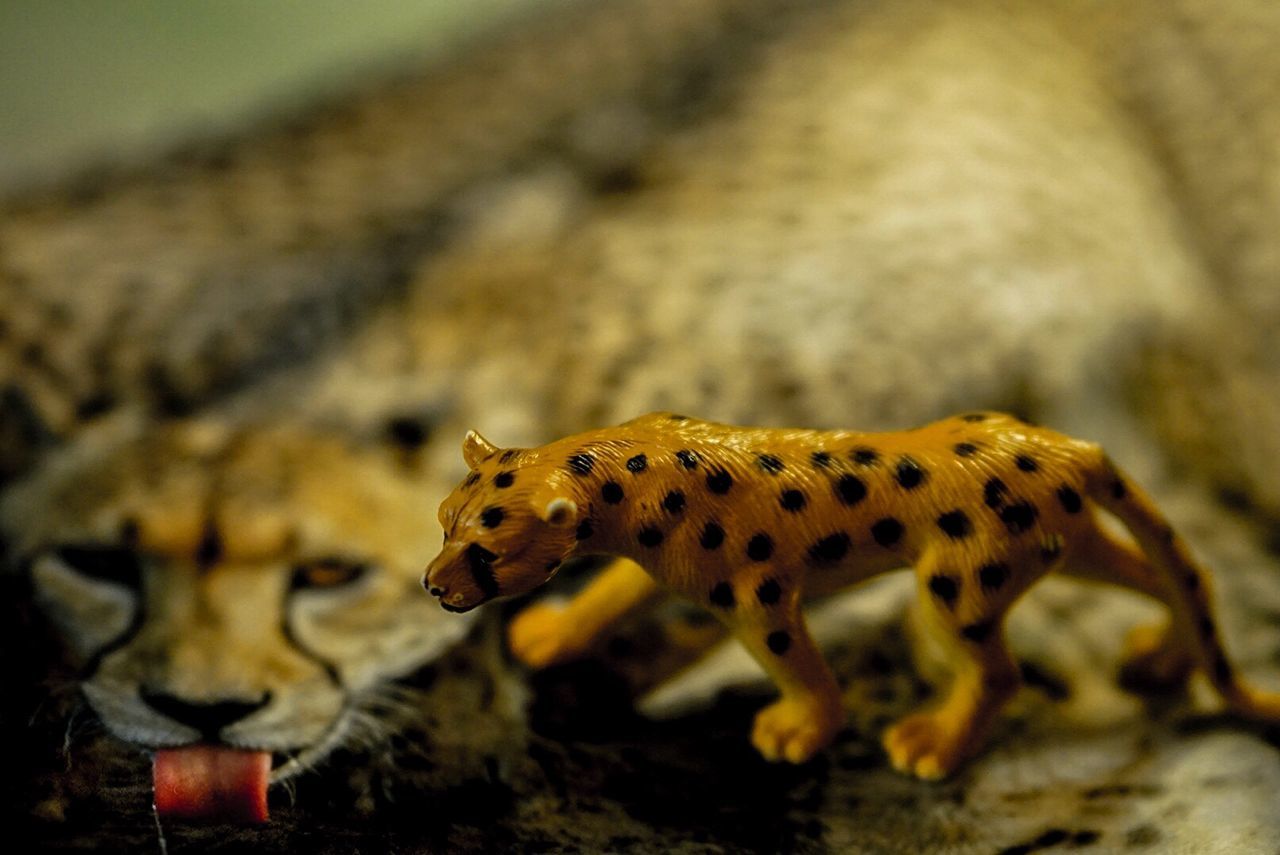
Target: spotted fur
point(981, 505)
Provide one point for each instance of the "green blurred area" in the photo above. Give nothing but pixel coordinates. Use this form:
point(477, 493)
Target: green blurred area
point(83, 82)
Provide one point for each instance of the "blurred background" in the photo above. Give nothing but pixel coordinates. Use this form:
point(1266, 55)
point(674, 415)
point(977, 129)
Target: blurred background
point(83, 84)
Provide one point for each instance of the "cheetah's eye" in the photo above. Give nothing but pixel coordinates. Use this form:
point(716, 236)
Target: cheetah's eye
point(114, 564)
point(327, 574)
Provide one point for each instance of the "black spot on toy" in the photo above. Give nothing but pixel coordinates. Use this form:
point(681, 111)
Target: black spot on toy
point(649, 537)
point(792, 500)
point(719, 482)
point(830, 549)
point(993, 576)
point(1018, 517)
point(779, 642)
point(955, 524)
point(850, 489)
point(910, 474)
point(994, 492)
point(673, 502)
point(687, 458)
point(978, 632)
point(712, 536)
point(945, 588)
point(864, 456)
point(769, 463)
point(1069, 499)
point(760, 547)
point(887, 531)
point(722, 595)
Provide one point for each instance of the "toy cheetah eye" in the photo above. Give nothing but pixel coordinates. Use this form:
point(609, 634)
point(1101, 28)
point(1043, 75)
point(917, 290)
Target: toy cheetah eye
point(327, 574)
point(114, 564)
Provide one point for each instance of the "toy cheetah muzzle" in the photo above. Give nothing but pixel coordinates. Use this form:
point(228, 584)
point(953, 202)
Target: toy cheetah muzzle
point(462, 579)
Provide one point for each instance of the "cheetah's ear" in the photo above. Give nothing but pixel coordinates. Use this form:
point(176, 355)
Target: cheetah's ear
point(475, 449)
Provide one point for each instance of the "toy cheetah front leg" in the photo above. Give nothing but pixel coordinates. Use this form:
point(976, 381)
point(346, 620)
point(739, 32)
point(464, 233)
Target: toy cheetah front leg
point(545, 634)
point(930, 744)
point(805, 719)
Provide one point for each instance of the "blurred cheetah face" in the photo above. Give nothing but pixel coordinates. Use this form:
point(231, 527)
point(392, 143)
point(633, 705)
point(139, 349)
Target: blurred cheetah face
point(237, 596)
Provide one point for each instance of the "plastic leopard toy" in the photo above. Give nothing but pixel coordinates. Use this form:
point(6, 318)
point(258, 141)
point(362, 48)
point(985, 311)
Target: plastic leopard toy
point(749, 521)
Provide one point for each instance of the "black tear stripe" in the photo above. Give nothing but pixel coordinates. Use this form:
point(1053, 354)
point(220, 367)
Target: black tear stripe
point(325, 664)
point(330, 670)
point(130, 633)
point(480, 561)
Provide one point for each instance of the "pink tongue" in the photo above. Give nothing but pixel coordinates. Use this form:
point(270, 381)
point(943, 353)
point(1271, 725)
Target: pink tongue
point(209, 782)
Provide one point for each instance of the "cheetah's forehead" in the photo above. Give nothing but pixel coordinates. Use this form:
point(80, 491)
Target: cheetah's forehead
point(497, 489)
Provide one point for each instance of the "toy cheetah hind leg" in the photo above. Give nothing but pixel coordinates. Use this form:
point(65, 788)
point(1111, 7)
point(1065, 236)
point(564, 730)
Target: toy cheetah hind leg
point(1185, 589)
point(932, 743)
point(1158, 656)
point(545, 634)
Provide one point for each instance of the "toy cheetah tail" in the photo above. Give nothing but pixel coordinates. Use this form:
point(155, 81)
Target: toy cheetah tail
point(1187, 586)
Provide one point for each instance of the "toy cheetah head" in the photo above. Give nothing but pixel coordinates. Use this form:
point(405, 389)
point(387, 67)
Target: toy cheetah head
point(507, 527)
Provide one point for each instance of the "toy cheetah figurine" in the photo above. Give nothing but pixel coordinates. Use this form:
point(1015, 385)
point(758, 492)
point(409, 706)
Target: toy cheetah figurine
point(748, 521)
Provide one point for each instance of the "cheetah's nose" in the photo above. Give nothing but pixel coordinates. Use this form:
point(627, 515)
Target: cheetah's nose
point(207, 717)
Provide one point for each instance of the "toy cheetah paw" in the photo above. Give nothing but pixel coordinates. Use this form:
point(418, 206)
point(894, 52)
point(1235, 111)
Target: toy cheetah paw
point(1153, 662)
point(794, 730)
point(926, 745)
point(541, 636)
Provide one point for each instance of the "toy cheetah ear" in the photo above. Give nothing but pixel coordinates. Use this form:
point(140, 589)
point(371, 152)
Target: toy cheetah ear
point(560, 512)
point(551, 502)
point(476, 449)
